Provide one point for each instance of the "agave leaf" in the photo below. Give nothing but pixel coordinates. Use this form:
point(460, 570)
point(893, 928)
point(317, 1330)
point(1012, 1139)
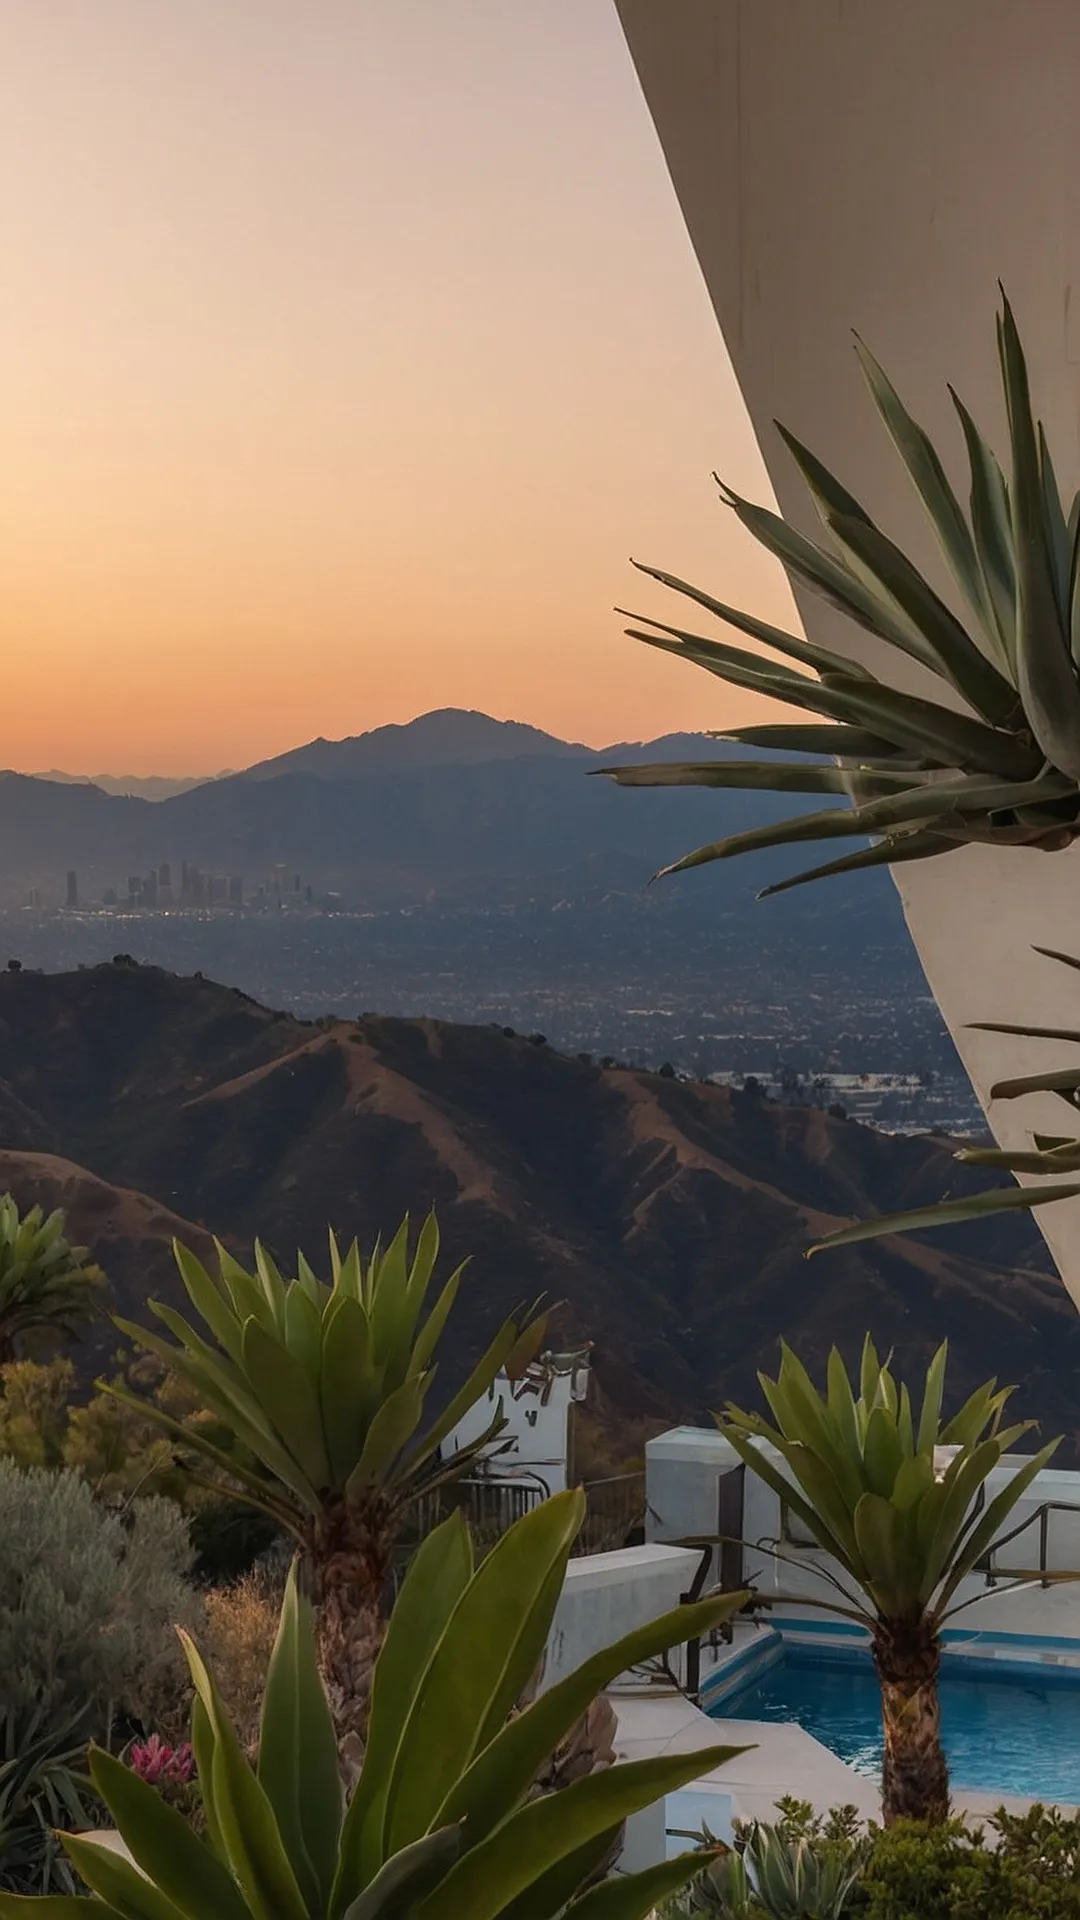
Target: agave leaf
point(407, 1877)
point(349, 1387)
point(830, 824)
point(991, 521)
point(438, 1575)
point(636, 1895)
point(249, 1831)
point(161, 1842)
point(946, 1213)
point(1027, 1033)
point(496, 1635)
point(1059, 538)
point(209, 1301)
point(821, 659)
point(1046, 677)
point(851, 743)
point(391, 1429)
point(931, 482)
point(283, 1390)
point(997, 1511)
point(431, 1332)
point(503, 1771)
point(489, 1876)
point(1051, 953)
point(935, 732)
point(298, 1767)
point(1065, 1081)
point(943, 644)
point(933, 1392)
point(769, 775)
point(888, 853)
point(825, 574)
point(113, 1879)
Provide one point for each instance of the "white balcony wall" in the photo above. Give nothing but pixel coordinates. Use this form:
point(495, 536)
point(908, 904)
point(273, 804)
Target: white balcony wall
point(881, 167)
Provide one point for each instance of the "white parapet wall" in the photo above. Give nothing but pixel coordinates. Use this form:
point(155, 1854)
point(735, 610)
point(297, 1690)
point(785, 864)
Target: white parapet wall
point(607, 1595)
point(881, 167)
point(685, 1467)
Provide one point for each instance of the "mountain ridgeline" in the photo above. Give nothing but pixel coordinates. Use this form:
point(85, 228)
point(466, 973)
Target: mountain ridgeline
point(453, 805)
point(668, 1218)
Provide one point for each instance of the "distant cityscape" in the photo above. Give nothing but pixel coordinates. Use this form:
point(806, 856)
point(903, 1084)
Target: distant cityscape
point(833, 1018)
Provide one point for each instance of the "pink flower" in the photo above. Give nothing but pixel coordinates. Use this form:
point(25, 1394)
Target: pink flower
point(160, 1765)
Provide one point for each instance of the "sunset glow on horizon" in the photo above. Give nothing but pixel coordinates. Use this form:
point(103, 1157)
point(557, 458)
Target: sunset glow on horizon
point(347, 353)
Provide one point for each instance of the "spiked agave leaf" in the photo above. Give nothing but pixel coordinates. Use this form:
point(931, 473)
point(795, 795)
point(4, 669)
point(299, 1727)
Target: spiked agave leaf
point(322, 1389)
point(44, 1282)
point(443, 1823)
point(861, 1471)
point(1006, 770)
point(1051, 1156)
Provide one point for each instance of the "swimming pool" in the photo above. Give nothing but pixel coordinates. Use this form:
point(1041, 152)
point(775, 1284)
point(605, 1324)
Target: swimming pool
point(1006, 1733)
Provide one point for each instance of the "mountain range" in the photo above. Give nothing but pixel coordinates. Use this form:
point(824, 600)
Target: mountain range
point(454, 805)
point(669, 1218)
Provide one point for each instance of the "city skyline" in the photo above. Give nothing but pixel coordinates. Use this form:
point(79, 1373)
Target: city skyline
point(341, 355)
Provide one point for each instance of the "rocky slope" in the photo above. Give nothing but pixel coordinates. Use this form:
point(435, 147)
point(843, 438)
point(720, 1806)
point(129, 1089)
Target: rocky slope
point(669, 1218)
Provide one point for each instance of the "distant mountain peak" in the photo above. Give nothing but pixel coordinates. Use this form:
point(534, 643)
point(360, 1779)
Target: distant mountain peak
point(447, 736)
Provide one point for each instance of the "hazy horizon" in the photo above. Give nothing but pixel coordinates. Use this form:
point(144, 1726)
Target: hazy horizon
point(346, 353)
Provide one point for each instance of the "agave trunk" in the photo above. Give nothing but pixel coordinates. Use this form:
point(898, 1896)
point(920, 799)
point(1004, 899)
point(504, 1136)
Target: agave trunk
point(349, 1555)
point(915, 1780)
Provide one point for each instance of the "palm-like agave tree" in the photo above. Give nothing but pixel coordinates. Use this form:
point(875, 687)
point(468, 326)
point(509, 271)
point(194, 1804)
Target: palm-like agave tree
point(923, 777)
point(866, 1476)
point(1051, 1155)
point(46, 1285)
point(317, 1395)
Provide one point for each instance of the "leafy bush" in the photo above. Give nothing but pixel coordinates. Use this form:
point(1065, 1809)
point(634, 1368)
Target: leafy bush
point(1028, 1869)
point(88, 1599)
point(241, 1623)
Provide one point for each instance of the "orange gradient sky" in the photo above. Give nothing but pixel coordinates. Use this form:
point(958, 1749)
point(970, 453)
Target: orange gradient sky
point(347, 350)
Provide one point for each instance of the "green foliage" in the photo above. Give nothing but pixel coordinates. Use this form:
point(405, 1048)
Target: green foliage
point(1029, 1869)
point(443, 1823)
point(862, 1476)
point(88, 1598)
point(802, 1867)
point(43, 1788)
point(46, 1285)
point(950, 1873)
point(1050, 1155)
point(923, 777)
point(316, 1393)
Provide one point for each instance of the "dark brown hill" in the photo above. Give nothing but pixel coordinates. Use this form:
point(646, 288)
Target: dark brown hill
point(670, 1217)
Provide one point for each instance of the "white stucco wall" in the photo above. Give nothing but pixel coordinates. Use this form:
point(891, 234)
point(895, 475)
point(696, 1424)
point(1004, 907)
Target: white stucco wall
point(607, 1595)
point(850, 164)
point(683, 1467)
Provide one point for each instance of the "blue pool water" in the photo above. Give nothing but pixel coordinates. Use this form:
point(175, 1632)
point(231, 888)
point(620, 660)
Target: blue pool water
point(1005, 1733)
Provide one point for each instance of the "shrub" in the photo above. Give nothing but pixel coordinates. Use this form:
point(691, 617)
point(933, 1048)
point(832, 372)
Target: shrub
point(88, 1598)
point(241, 1623)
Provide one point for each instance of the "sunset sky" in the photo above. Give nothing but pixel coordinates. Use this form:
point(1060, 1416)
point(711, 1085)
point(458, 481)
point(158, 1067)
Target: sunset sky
point(347, 350)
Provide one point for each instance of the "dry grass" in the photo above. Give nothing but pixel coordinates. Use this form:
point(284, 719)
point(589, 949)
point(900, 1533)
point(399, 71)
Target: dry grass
point(238, 1637)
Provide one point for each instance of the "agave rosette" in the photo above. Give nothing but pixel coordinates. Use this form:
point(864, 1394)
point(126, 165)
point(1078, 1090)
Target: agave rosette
point(923, 777)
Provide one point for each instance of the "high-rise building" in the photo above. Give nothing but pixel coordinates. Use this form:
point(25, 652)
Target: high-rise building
point(164, 875)
point(236, 891)
point(72, 888)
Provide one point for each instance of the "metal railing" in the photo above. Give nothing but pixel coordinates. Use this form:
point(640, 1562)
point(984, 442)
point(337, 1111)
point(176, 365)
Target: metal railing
point(1041, 1518)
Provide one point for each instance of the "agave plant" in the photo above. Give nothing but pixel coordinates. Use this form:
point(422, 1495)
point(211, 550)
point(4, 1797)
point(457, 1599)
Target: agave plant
point(442, 1824)
point(1051, 1154)
point(864, 1475)
point(923, 777)
point(317, 1396)
point(45, 1284)
point(772, 1876)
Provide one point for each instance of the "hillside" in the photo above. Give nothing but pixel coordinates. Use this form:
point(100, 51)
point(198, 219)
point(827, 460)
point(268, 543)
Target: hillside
point(669, 1217)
